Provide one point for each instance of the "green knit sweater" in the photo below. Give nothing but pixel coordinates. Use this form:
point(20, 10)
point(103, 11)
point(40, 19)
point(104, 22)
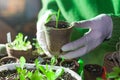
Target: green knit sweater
point(76, 10)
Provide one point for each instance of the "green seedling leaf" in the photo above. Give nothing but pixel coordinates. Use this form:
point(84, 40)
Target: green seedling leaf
point(42, 69)
point(22, 62)
point(37, 76)
point(59, 72)
point(22, 77)
point(114, 74)
point(20, 43)
point(49, 18)
point(57, 15)
point(63, 58)
point(53, 60)
point(50, 75)
point(29, 74)
point(37, 64)
point(18, 70)
point(25, 39)
point(99, 79)
point(57, 18)
point(37, 46)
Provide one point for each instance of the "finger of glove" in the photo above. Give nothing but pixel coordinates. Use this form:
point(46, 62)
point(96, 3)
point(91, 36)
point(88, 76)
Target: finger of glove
point(96, 41)
point(82, 51)
point(82, 24)
point(40, 24)
point(91, 43)
point(42, 20)
point(78, 43)
point(75, 53)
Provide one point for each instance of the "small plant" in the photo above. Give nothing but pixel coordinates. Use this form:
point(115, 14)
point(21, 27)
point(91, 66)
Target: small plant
point(53, 60)
point(37, 47)
point(40, 73)
point(56, 15)
point(115, 74)
point(20, 42)
point(57, 18)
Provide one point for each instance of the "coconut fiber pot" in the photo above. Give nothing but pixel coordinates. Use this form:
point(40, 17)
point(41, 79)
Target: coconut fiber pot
point(18, 53)
point(8, 60)
point(92, 71)
point(57, 37)
point(111, 60)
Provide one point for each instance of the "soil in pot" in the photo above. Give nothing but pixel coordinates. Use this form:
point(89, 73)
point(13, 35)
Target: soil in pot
point(36, 55)
point(8, 75)
point(43, 60)
point(8, 60)
point(57, 37)
point(92, 71)
point(71, 64)
point(67, 76)
point(47, 60)
point(32, 59)
point(61, 24)
point(111, 60)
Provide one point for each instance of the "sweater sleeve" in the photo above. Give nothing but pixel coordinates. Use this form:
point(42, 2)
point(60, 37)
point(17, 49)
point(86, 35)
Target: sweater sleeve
point(48, 5)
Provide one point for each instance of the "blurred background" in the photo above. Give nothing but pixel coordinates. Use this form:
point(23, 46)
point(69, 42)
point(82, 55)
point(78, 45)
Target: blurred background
point(18, 16)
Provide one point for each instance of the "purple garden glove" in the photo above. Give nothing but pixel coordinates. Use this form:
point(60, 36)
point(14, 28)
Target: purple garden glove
point(100, 29)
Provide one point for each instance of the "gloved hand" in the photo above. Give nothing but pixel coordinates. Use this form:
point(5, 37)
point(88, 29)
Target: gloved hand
point(40, 32)
point(100, 28)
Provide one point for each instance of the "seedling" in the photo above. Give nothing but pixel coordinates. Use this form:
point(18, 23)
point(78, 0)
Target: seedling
point(57, 18)
point(53, 60)
point(56, 15)
point(115, 74)
point(20, 42)
point(37, 46)
point(40, 73)
point(21, 71)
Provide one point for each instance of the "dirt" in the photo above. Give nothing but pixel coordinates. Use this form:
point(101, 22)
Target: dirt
point(8, 75)
point(67, 76)
point(94, 69)
point(68, 64)
point(61, 24)
point(7, 60)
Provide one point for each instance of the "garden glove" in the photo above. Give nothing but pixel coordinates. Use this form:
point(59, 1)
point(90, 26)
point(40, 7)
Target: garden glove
point(40, 32)
point(100, 28)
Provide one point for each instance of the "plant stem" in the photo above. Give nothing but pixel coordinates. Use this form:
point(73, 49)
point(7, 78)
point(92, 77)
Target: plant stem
point(57, 18)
